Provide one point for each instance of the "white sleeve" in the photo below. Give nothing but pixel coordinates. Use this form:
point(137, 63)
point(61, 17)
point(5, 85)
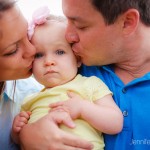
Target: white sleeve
point(24, 87)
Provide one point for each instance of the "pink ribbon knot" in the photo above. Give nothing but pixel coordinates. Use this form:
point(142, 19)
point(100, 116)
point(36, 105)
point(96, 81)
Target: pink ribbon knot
point(39, 17)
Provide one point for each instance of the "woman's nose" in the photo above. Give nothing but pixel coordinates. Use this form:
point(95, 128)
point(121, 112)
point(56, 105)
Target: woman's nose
point(29, 50)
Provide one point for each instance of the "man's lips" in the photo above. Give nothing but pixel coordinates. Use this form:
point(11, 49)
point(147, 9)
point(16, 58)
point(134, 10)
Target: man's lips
point(75, 49)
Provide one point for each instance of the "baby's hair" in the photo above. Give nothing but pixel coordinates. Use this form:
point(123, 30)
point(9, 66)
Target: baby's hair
point(56, 18)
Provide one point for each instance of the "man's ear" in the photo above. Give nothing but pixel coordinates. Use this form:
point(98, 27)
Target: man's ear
point(78, 61)
point(130, 21)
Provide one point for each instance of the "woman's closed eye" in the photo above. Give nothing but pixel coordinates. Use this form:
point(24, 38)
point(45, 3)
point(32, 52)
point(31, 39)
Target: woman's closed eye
point(13, 51)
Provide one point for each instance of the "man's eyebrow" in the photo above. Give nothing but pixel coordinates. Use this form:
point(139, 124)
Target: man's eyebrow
point(75, 18)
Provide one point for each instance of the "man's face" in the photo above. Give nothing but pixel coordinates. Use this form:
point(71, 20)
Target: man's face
point(96, 42)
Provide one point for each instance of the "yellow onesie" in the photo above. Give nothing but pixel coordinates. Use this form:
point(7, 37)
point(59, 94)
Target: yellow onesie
point(89, 88)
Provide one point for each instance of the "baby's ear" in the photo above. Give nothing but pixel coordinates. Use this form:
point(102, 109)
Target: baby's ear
point(78, 61)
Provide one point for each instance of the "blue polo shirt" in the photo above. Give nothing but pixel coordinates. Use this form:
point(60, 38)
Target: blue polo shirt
point(134, 101)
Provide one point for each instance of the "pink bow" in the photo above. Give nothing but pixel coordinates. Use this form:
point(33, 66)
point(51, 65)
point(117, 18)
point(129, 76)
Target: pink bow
point(38, 18)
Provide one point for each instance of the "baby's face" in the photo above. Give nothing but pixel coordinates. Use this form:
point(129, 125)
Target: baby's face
point(55, 62)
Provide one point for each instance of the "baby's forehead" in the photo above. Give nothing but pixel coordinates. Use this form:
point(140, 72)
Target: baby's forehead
point(57, 23)
point(57, 28)
point(52, 24)
point(51, 31)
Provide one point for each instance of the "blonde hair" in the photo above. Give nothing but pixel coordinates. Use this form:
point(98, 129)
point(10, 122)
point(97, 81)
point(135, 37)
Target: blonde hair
point(57, 18)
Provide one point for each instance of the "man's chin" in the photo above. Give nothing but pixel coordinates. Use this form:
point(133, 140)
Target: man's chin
point(87, 63)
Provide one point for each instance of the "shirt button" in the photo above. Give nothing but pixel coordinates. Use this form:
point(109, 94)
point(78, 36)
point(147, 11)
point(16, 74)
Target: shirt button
point(124, 90)
point(125, 113)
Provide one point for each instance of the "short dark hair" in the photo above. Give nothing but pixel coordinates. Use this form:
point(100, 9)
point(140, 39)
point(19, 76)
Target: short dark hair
point(6, 4)
point(111, 9)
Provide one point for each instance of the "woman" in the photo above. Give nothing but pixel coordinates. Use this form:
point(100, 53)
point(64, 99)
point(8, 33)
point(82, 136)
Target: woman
point(16, 56)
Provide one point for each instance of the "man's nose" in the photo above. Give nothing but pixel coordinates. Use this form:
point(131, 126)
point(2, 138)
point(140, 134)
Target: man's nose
point(71, 36)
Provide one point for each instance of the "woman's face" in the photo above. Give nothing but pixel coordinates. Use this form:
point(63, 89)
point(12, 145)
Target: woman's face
point(16, 52)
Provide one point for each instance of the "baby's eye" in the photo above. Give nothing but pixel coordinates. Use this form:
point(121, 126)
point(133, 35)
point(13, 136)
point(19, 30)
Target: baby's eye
point(60, 52)
point(38, 55)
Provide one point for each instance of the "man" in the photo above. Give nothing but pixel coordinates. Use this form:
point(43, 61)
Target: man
point(117, 32)
point(114, 35)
